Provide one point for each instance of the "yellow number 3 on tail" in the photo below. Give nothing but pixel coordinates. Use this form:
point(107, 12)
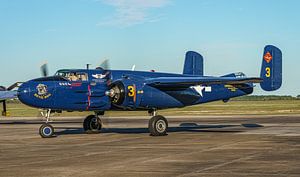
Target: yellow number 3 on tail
point(268, 71)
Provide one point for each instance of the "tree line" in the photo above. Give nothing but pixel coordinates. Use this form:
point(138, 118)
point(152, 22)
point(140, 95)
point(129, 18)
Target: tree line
point(266, 97)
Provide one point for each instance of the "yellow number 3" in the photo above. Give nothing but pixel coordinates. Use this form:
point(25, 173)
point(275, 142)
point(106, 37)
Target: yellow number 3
point(131, 91)
point(268, 72)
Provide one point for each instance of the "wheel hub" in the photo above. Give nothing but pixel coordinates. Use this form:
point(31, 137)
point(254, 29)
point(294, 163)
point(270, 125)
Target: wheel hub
point(94, 124)
point(161, 126)
point(47, 130)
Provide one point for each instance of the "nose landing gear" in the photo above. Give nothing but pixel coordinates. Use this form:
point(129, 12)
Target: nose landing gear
point(46, 130)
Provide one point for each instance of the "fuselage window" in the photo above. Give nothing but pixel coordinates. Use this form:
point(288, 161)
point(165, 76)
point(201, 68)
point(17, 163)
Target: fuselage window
point(82, 76)
point(78, 77)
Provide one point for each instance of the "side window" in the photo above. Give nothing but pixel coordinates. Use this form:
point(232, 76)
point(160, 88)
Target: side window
point(73, 77)
point(82, 76)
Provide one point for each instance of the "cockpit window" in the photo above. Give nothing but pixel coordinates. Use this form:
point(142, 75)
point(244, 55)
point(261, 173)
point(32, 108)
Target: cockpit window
point(62, 73)
point(78, 77)
point(240, 75)
point(73, 76)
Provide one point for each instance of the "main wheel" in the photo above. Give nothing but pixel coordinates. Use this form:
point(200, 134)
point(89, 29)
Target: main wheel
point(46, 131)
point(92, 124)
point(158, 126)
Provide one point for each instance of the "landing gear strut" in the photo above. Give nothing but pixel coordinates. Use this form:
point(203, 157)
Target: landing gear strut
point(158, 124)
point(4, 112)
point(93, 123)
point(46, 130)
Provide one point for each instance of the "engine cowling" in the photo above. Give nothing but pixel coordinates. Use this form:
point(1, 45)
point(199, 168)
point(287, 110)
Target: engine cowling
point(116, 93)
point(125, 93)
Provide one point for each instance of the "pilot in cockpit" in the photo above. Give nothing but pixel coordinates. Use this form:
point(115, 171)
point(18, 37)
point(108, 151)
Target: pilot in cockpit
point(73, 77)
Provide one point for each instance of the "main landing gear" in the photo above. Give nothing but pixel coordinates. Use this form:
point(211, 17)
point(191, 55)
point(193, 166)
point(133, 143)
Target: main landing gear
point(92, 124)
point(158, 124)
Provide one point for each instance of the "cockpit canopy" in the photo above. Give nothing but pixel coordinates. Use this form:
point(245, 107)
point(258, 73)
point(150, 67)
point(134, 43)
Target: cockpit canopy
point(240, 74)
point(72, 75)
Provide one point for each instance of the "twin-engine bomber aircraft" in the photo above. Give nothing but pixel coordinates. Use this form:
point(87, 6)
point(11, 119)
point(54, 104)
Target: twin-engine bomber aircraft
point(102, 89)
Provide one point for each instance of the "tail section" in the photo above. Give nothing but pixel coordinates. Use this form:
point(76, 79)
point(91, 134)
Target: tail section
point(271, 70)
point(193, 64)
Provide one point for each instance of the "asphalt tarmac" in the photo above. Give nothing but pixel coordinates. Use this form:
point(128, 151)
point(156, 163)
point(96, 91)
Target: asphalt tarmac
point(195, 146)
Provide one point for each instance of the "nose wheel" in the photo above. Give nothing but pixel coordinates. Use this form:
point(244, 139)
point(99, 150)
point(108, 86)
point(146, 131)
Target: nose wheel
point(158, 126)
point(46, 130)
point(92, 124)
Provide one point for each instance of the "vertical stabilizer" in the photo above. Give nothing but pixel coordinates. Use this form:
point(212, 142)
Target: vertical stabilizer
point(193, 64)
point(271, 69)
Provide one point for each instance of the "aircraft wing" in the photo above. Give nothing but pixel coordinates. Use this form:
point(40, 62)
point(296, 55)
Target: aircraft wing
point(191, 81)
point(4, 95)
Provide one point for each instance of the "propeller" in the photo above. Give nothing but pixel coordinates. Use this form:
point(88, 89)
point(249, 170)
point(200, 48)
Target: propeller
point(44, 69)
point(111, 92)
point(106, 70)
point(105, 65)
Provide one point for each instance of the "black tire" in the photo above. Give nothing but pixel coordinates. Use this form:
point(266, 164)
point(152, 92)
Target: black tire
point(46, 131)
point(92, 124)
point(158, 126)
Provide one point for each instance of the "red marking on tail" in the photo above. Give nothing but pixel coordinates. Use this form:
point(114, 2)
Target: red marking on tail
point(268, 57)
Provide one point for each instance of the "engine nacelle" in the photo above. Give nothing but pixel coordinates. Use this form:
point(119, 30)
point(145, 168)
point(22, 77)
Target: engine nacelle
point(125, 93)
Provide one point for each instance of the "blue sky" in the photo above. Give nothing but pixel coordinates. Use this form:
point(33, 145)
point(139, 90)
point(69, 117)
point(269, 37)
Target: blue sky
point(152, 34)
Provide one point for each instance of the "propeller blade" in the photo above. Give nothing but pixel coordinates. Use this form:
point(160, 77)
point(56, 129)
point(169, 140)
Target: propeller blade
point(44, 70)
point(133, 68)
point(105, 65)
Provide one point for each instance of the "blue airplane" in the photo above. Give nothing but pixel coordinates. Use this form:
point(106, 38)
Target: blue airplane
point(102, 89)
